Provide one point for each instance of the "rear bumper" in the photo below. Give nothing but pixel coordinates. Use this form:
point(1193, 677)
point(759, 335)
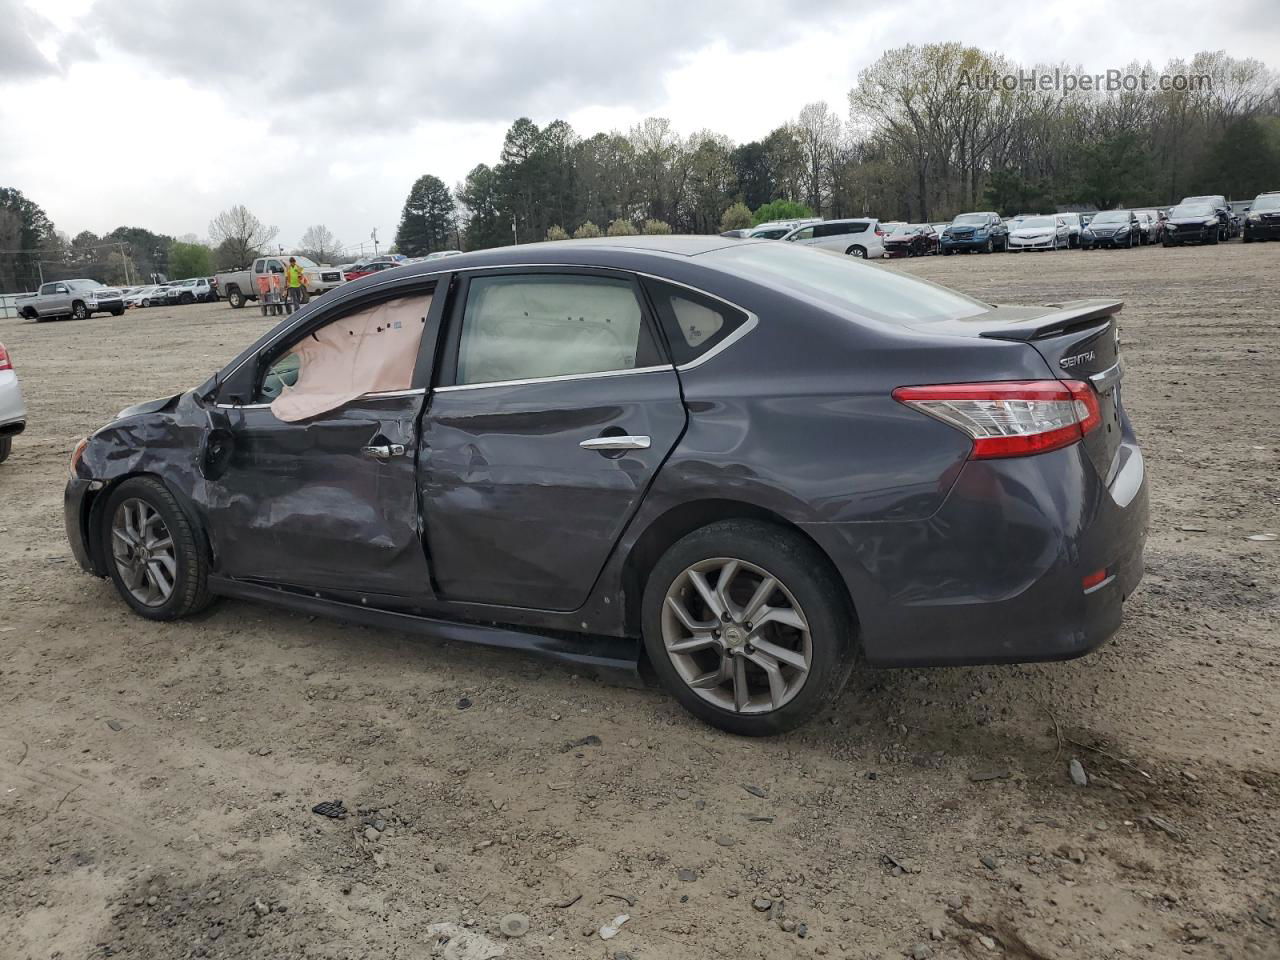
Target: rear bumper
point(13, 409)
point(995, 576)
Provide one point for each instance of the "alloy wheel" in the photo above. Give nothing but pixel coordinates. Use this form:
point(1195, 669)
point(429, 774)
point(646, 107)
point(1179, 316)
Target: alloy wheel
point(144, 553)
point(736, 636)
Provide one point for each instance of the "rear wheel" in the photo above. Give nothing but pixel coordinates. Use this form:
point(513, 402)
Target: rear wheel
point(746, 628)
point(156, 557)
point(6, 447)
point(857, 251)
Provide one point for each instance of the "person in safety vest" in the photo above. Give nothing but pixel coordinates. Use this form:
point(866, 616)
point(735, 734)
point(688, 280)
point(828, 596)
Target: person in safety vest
point(295, 282)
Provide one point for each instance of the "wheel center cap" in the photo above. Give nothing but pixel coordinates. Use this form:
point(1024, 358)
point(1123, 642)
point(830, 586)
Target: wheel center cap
point(734, 636)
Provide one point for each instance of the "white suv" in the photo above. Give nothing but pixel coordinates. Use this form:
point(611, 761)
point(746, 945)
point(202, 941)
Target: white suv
point(862, 237)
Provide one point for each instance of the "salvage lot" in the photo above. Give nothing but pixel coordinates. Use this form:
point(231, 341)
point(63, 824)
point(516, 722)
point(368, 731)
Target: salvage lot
point(930, 801)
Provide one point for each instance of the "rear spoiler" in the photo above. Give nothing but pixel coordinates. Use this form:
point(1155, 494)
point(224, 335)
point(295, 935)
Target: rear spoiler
point(1071, 315)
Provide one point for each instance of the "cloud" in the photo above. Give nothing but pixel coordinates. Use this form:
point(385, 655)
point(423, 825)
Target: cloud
point(20, 56)
point(361, 66)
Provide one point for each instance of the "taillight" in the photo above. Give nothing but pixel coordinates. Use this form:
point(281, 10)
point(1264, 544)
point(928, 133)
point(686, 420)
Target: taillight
point(1011, 418)
point(5, 362)
point(879, 232)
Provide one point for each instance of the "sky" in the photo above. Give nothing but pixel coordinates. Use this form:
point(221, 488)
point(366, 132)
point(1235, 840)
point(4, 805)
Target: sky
point(160, 113)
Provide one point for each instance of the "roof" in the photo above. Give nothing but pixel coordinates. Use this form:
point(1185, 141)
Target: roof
point(604, 250)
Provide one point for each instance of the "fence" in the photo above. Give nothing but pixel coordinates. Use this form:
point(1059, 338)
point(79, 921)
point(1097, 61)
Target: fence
point(8, 305)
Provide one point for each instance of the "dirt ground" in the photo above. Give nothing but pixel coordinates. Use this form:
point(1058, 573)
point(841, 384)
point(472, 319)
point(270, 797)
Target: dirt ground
point(156, 781)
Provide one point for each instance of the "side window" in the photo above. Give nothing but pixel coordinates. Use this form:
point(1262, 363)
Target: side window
point(61, 288)
point(275, 266)
point(533, 327)
point(694, 324)
point(260, 266)
point(805, 234)
point(48, 288)
point(373, 349)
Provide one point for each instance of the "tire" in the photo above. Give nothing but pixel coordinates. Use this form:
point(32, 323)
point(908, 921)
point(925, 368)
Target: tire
point(1167, 243)
point(6, 448)
point(235, 297)
point(857, 251)
point(1216, 239)
point(946, 252)
point(988, 246)
point(184, 564)
point(806, 591)
point(186, 299)
point(78, 311)
point(146, 303)
point(119, 312)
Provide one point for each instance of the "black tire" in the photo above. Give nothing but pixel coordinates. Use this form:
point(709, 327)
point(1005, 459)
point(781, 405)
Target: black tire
point(146, 303)
point(856, 251)
point(118, 312)
point(190, 592)
point(6, 448)
point(804, 573)
point(235, 297)
point(988, 246)
point(186, 299)
point(78, 311)
point(947, 251)
point(1215, 239)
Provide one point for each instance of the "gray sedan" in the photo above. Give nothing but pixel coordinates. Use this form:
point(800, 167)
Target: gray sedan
point(743, 462)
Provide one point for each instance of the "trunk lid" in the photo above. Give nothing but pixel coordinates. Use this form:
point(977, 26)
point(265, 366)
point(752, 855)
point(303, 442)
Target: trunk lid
point(1078, 340)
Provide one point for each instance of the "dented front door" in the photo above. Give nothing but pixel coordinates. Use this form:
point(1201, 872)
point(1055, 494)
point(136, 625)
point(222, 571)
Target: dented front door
point(328, 503)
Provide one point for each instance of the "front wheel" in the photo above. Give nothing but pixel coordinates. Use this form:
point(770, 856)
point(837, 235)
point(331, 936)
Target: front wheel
point(235, 298)
point(856, 251)
point(156, 557)
point(118, 312)
point(746, 627)
point(988, 246)
point(78, 310)
point(6, 448)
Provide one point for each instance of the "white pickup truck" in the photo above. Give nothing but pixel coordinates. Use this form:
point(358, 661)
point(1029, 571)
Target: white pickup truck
point(71, 298)
point(241, 286)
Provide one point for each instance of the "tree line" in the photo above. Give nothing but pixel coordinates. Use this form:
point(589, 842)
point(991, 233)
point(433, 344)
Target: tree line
point(919, 139)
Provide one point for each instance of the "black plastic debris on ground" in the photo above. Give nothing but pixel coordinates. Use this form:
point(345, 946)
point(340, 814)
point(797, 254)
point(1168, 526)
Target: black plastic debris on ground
point(590, 740)
point(333, 809)
point(464, 703)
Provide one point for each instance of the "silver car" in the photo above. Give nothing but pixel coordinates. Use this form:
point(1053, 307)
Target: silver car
point(13, 412)
point(1039, 233)
point(862, 237)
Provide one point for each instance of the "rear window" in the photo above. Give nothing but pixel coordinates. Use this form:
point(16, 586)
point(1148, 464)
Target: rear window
point(864, 289)
point(694, 324)
point(838, 229)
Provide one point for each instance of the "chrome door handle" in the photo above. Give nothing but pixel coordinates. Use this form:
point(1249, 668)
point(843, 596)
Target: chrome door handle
point(385, 452)
point(615, 443)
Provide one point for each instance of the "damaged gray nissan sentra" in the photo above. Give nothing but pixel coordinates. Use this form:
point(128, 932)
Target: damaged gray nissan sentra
point(739, 461)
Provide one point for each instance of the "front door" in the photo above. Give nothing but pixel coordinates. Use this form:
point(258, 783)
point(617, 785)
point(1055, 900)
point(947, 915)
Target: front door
point(556, 412)
point(58, 301)
point(318, 488)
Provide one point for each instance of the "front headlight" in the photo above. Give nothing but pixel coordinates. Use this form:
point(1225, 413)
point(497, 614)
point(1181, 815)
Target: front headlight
point(76, 454)
point(1171, 226)
point(1211, 223)
point(1254, 218)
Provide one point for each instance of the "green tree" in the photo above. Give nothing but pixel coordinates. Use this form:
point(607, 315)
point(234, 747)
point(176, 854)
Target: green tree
point(1115, 170)
point(480, 195)
point(737, 217)
point(781, 210)
point(427, 222)
point(557, 232)
point(653, 227)
point(1243, 162)
point(189, 260)
point(26, 235)
point(753, 176)
point(587, 231)
point(621, 228)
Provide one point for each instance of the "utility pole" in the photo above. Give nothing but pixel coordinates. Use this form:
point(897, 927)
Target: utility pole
point(374, 237)
point(40, 270)
point(515, 237)
point(124, 260)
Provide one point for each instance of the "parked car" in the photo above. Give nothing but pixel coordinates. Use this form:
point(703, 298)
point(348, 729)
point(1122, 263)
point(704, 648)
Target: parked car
point(152, 295)
point(1074, 227)
point(739, 234)
point(438, 254)
point(1228, 222)
point(773, 232)
point(862, 237)
point(1039, 233)
point(72, 298)
point(718, 452)
point(1196, 222)
point(981, 232)
point(1151, 224)
point(1111, 228)
point(911, 240)
point(240, 286)
point(373, 266)
point(191, 290)
point(1262, 222)
point(13, 411)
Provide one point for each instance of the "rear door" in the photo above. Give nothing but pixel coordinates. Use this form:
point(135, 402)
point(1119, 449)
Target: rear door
point(556, 409)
